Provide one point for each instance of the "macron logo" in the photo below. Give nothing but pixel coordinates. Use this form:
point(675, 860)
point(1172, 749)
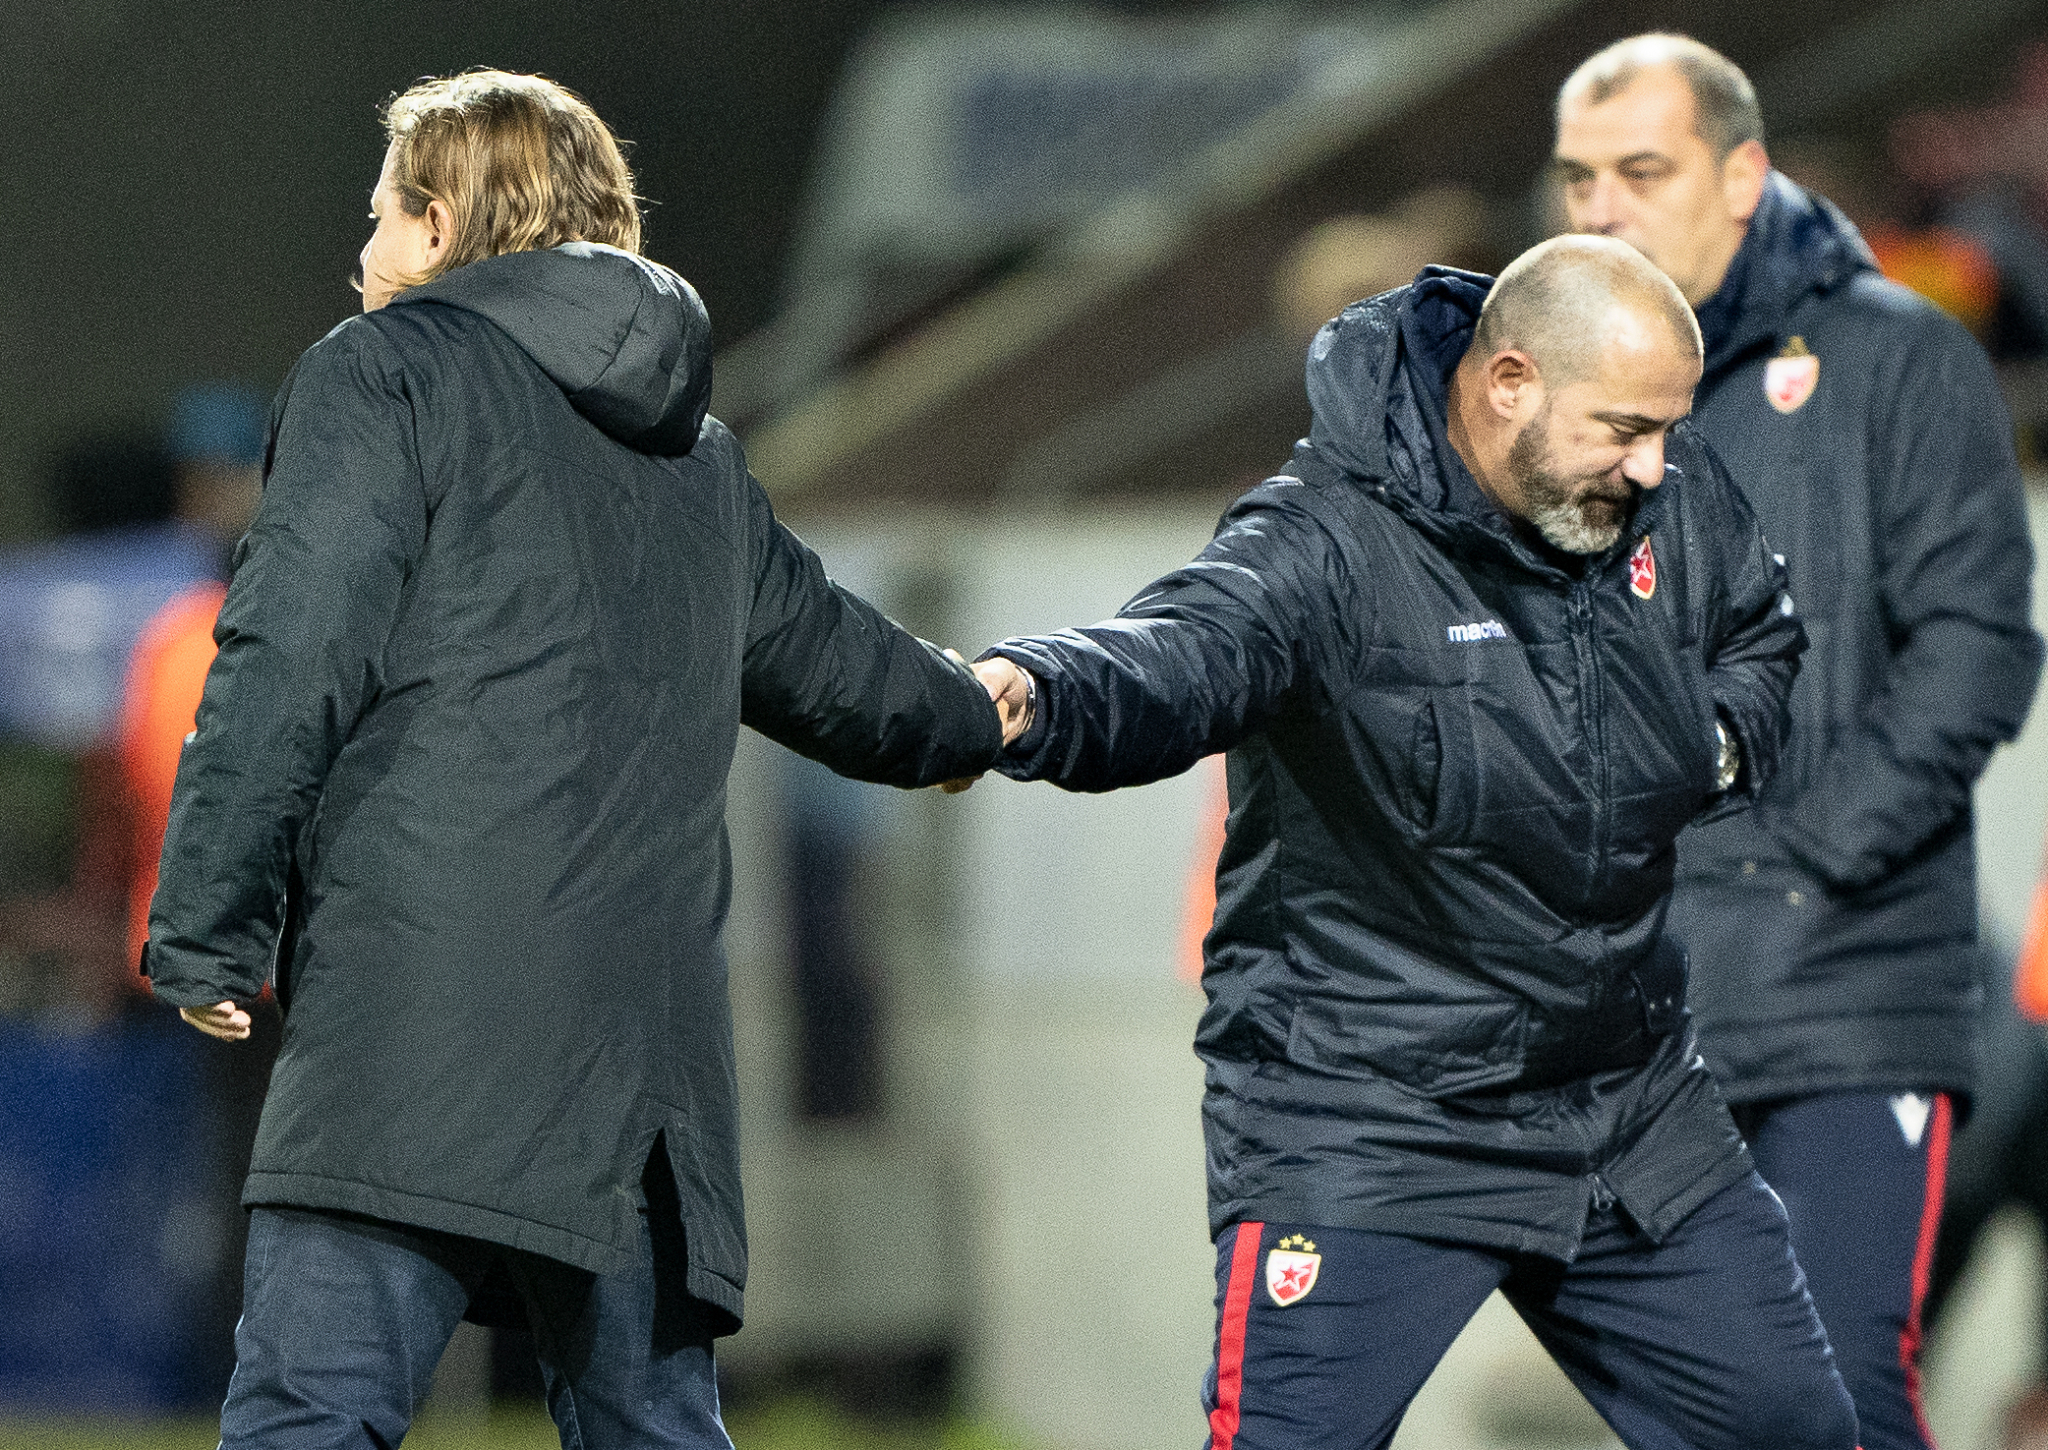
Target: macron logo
point(1471, 633)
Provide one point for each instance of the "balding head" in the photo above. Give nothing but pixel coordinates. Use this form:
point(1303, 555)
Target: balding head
point(1565, 302)
point(1724, 109)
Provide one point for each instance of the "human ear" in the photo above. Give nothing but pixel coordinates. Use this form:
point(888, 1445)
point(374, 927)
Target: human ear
point(1742, 180)
point(440, 228)
point(1509, 376)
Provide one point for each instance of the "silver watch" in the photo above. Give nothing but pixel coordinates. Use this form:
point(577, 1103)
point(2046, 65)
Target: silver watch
point(1728, 762)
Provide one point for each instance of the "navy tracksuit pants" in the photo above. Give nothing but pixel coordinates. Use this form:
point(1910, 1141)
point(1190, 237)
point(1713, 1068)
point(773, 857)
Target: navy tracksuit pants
point(1707, 1341)
point(1861, 1176)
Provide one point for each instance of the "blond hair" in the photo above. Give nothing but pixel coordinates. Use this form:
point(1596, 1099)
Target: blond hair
point(520, 162)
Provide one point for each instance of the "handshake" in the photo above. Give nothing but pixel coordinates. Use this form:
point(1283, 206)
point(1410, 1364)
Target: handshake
point(1015, 694)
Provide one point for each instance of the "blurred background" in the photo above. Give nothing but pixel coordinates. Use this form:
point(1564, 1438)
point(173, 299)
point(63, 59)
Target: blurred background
point(1012, 299)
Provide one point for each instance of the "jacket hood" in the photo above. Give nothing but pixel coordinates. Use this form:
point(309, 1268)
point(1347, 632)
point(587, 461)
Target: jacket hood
point(1378, 384)
point(1378, 376)
point(1376, 379)
point(1798, 244)
point(626, 339)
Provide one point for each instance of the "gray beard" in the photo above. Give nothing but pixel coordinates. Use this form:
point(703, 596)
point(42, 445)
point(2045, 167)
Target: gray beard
point(1560, 521)
point(1564, 526)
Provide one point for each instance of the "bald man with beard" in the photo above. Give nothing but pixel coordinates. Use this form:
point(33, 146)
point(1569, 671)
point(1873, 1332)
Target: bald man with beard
point(1498, 633)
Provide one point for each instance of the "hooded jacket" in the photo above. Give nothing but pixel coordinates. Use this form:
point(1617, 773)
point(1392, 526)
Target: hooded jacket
point(1439, 999)
point(1831, 929)
point(460, 766)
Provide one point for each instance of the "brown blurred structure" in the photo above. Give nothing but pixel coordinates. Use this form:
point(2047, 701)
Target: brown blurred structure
point(1158, 348)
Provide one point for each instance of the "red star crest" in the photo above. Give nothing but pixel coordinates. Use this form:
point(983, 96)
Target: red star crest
point(1790, 377)
point(1642, 570)
point(1291, 1269)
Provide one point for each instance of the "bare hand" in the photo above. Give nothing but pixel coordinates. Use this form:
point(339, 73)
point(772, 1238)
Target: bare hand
point(1010, 688)
point(223, 1020)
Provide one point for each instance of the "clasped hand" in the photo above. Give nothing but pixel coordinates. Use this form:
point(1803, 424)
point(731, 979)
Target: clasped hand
point(1010, 688)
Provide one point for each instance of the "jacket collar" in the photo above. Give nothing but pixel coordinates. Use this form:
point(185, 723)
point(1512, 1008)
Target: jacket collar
point(1798, 245)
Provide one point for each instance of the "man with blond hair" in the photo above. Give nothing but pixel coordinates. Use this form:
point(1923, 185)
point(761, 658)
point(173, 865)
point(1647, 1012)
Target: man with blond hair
point(1497, 633)
point(1831, 930)
point(457, 791)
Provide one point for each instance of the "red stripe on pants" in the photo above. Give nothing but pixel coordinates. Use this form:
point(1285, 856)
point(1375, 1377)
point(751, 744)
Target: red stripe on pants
point(1923, 1256)
point(1237, 1307)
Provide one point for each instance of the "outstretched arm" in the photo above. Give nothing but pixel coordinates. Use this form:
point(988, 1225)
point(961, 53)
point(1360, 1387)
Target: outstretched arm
point(1193, 663)
point(828, 675)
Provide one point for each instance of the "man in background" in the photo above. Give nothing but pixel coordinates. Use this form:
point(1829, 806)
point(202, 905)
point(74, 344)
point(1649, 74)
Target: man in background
point(1830, 931)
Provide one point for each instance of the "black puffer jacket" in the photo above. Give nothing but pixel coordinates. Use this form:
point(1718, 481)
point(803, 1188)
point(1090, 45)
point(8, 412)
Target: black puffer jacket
point(1438, 999)
point(1830, 930)
point(461, 764)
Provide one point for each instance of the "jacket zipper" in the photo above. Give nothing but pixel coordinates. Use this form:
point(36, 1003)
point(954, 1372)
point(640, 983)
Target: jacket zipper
point(1590, 702)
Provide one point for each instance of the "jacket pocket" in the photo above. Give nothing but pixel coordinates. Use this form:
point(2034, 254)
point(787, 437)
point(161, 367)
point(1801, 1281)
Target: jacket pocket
point(1424, 766)
point(1660, 983)
point(1410, 731)
point(1436, 1049)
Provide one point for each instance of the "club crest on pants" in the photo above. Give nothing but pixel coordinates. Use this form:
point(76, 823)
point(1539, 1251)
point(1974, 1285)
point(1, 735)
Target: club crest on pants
point(1291, 1269)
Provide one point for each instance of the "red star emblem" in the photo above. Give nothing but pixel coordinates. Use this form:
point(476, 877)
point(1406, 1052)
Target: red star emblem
point(1642, 571)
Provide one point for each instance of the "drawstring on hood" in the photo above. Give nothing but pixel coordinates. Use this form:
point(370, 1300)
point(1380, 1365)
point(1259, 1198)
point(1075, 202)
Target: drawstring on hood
point(626, 339)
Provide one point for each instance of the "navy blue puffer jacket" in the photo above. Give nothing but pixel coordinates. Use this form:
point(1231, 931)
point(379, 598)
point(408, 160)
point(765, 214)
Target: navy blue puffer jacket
point(1439, 999)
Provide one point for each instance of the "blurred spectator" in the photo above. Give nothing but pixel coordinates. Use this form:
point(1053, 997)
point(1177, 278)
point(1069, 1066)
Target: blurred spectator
point(121, 1282)
point(102, 654)
point(159, 708)
point(1348, 258)
point(1949, 267)
point(1988, 168)
point(217, 436)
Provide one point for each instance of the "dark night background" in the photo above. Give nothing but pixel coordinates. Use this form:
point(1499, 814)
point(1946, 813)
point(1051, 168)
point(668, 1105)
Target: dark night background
point(187, 184)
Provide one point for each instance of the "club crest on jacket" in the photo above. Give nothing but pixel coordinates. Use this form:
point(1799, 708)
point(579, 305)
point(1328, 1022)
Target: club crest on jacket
point(1642, 570)
point(1291, 1269)
point(1789, 377)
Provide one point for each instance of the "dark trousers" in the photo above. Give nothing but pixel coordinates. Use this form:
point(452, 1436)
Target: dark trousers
point(344, 1320)
point(1706, 1341)
point(1861, 1175)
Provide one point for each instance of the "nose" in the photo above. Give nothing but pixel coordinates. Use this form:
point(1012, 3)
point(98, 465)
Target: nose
point(1643, 464)
point(1596, 205)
